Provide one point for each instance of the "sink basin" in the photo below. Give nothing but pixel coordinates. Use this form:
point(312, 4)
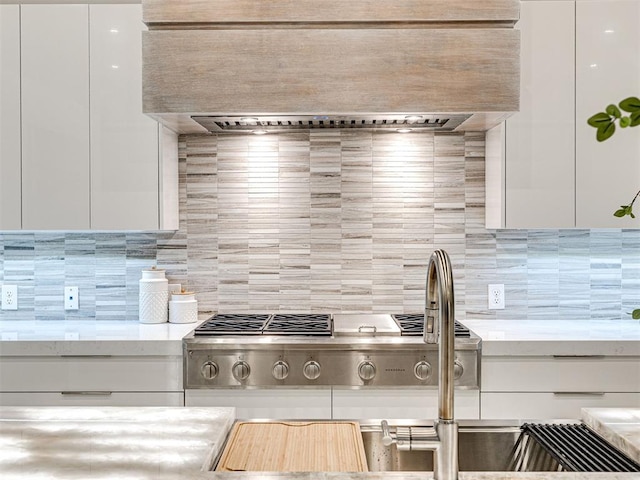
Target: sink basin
point(482, 446)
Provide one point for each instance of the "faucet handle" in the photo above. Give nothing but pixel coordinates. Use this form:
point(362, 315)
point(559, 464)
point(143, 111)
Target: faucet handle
point(387, 439)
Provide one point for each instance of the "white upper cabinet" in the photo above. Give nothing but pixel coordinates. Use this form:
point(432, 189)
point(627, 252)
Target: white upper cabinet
point(534, 166)
point(548, 170)
point(77, 153)
point(55, 117)
point(607, 71)
point(10, 183)
point(124, 141)
point(540, 138)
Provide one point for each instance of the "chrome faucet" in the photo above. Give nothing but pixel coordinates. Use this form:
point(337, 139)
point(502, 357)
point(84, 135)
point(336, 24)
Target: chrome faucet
point(439, 317)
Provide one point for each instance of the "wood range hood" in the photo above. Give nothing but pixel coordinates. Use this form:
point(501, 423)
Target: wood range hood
point(282, 65)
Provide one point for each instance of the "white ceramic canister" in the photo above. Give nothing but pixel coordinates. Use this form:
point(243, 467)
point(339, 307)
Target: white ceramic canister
point(183, 308)
point(154, 296)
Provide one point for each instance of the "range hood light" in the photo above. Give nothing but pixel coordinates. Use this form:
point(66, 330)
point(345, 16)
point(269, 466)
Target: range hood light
point(404, 130)
point(413, 118)
point(249, 119)
point(259, 132)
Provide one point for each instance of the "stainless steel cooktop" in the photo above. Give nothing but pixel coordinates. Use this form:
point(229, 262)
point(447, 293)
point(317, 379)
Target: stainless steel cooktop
point(320, 350)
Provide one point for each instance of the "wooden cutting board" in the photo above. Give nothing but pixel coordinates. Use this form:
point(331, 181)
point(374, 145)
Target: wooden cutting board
point(294, 447)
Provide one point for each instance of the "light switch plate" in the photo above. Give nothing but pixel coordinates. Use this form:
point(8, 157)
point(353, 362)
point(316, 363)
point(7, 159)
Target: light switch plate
point(71, 298)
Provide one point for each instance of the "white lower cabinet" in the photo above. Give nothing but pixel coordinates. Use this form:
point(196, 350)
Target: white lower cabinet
point(93, 398)
point(287, 403)
point(325, 403)
point(552, 387)
point(547, 405)
point(401, 403)
point(91, 380)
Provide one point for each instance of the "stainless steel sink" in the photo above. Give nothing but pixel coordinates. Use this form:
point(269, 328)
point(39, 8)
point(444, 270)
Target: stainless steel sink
point(482, 446)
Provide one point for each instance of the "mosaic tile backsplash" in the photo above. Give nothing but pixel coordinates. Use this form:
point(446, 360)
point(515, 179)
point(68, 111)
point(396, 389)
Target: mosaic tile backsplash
point(329, 221)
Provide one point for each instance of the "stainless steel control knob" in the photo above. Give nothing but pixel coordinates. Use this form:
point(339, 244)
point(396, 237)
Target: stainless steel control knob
point(422, 370)
point(241, 370)
point(366, 370)
point(280, 370)
point(209, 370)
point(457, 370)
point(311, 370)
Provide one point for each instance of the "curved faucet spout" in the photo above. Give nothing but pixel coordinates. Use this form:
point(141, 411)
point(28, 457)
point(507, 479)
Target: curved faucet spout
point(439, 318)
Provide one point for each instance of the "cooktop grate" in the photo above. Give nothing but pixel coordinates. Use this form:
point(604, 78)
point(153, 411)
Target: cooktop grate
point(267, 324)
point(413, 324)
point(233, 324)
point(299, 324)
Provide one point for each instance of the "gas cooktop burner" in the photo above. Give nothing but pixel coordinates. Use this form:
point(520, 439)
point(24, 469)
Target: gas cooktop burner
point(259, 324)
point(413, 324)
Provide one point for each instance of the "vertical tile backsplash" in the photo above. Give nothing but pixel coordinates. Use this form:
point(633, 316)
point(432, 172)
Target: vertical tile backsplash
point(334, 221)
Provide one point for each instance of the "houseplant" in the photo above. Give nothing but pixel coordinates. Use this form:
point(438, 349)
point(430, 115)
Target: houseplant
point(605, 125)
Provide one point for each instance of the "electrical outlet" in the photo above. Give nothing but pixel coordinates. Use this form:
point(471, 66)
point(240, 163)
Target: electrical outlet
point(496, 296)
point(71, 298)
point(9, 297)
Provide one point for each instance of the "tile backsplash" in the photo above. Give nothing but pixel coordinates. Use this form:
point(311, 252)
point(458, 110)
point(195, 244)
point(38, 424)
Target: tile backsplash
point(333, 221)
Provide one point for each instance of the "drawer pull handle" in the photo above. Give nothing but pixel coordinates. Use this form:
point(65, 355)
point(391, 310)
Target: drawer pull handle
point(594, 394)
point(577, 356)
point(86, 356)
point(88, 393)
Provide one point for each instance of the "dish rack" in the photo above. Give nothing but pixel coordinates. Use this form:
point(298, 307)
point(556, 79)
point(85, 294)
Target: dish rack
point(566, 447)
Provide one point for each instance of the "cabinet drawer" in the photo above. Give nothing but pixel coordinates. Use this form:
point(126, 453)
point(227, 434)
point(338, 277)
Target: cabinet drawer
point(540, 406)
point(285, 403)
point(560, 374)
point(401, 404)
point(96, 399)
point(91, 373)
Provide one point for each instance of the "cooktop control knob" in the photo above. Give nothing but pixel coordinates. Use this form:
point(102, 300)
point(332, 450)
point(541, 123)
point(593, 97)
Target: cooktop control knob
point(366, 370)
point(422, 370)
point(241, 370)
point(311, 370)
point(457, 370)
point(209, 370)
point(280, 370)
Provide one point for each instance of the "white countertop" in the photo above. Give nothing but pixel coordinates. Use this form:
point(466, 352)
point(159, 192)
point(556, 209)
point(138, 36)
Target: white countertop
point(91, 337)
point(619, 426)
point(499, 337)
point(557, 337)
point(156, 443)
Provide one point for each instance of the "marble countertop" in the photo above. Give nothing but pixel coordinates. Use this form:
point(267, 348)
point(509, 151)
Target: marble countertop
point(158, 443)
point(91, 337)
point(619, 426)
point(557, 337)
point(499, 337)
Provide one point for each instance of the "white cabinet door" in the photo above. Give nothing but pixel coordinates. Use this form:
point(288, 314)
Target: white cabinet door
point(546, 405)
point(284, 403)
point(607, 71)
point(400, 403)
point(10, 181)
point(55, 116)
point(535, 162)
point(124, 141)
point(93, 399)
point(540, 153)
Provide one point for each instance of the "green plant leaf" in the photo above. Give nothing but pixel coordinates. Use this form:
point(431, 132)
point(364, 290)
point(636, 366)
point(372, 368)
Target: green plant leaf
point(625, 122)
point(635, 119)
point(631, 104)
point(614, 111)
point(599, 119)
point(605, 131)
point(636, 314)
point(619, 213)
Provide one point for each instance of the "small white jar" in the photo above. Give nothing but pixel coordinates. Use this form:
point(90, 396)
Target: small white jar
point(153, 296)
point(183, 308)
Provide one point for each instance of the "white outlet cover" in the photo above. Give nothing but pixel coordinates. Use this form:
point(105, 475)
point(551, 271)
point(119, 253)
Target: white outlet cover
point(71, 298)
point(9, 297)
point(495, 294)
